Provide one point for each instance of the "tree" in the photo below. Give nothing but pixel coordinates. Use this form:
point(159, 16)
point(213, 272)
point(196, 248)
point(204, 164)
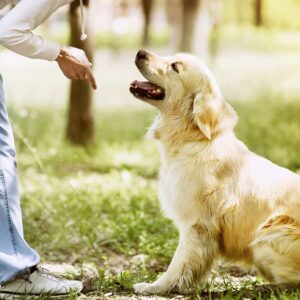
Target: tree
point(190, 9)
point(147, 7)
point(174, 16)
point(258, 12)
point(80, 127)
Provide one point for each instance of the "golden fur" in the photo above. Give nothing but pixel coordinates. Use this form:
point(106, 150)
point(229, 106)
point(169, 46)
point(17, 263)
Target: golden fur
point(225, 200)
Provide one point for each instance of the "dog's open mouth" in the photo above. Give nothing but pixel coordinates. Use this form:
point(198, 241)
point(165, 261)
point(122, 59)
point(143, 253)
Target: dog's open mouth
point(147, 90)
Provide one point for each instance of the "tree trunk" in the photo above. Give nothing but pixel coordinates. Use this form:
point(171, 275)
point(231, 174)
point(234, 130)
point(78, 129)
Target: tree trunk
point(258, 13)
point(174, 15)
point(147, 6)
point(80, 127)
point(190, 10)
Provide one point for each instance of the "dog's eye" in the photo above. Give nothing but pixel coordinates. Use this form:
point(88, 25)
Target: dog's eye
point(175, 67)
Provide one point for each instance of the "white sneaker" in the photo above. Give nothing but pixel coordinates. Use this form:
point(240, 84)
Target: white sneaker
point(39, 283)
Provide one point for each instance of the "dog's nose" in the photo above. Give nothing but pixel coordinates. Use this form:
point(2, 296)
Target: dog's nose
point(142, 54)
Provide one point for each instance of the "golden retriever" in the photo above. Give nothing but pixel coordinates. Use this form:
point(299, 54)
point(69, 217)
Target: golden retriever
point(225, 200)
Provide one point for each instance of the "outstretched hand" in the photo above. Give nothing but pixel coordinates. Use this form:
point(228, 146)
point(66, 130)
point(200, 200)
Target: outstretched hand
point(75, 65)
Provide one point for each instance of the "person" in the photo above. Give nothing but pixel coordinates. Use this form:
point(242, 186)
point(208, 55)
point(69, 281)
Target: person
point(20, 272)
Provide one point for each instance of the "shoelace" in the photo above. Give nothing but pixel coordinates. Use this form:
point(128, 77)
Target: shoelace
point(49, 274)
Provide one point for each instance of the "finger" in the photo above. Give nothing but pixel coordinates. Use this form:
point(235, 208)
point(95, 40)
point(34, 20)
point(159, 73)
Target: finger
point(76, 76)
point(91, 78)
point(82, 75)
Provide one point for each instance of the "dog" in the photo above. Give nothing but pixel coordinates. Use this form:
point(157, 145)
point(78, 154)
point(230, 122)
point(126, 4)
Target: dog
point(226, 201)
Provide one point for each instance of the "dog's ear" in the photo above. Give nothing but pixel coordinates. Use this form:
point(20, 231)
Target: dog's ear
point(204, 113)
point(211, 114)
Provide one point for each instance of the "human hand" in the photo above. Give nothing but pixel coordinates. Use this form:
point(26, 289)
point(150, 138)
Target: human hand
point(75, 65)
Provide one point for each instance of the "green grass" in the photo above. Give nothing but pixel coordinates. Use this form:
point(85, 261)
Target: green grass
point(98, 205)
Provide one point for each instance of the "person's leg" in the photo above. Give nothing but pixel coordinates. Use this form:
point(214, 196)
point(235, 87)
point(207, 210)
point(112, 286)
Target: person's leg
point(19, 275)
point(16, 257)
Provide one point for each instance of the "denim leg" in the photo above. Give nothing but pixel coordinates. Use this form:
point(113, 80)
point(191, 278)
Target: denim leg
point(15, 254)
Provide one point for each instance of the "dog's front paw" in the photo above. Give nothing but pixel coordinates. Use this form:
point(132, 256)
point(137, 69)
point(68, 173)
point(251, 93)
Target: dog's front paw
point(147, 289)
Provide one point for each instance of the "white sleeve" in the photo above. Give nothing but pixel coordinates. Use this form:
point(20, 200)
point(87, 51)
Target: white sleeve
point(17, 25)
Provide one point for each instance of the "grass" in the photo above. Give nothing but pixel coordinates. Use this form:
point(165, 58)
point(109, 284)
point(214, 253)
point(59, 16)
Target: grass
point(97, 208)
point(99, 205)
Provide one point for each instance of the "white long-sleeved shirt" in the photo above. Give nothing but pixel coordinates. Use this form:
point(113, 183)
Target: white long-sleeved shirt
point(17, 25)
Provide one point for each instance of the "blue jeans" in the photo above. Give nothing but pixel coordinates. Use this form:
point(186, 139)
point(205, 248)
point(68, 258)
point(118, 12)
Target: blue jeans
point(16, 257)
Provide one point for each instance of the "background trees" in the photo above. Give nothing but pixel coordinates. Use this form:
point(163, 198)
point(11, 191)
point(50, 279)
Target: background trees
point(80, 123)
point(258, 12)
point(185, 19)
point(147, 8)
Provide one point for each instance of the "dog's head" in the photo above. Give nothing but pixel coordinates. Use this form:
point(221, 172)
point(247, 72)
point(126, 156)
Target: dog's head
point(181, 87)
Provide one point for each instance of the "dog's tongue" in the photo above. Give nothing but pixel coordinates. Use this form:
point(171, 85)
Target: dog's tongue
point(144, 85)
point(147, 89)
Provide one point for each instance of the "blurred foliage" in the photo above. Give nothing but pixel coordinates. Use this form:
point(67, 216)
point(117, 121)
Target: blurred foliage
point(276, 14)
point(107, 39)
point(130, 39)
point(279, 17)
point(258, 39)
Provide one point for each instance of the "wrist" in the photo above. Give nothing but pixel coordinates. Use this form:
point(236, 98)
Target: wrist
point(63, 53)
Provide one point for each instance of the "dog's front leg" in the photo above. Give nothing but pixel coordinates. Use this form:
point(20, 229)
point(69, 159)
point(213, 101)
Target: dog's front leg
point(193, 258)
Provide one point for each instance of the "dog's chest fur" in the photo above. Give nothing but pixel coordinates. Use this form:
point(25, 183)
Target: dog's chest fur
point(183, 186)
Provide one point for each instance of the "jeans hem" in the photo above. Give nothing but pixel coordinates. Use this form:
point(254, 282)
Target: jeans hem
point(10, 224)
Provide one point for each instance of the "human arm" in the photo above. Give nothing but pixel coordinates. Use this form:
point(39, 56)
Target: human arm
point(16, 34)
point(17, 25)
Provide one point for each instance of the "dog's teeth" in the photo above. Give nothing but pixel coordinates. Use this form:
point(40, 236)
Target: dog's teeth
point(157, 91)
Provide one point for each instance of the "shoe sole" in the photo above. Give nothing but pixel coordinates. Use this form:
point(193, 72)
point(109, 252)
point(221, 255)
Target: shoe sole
point(11, 296)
